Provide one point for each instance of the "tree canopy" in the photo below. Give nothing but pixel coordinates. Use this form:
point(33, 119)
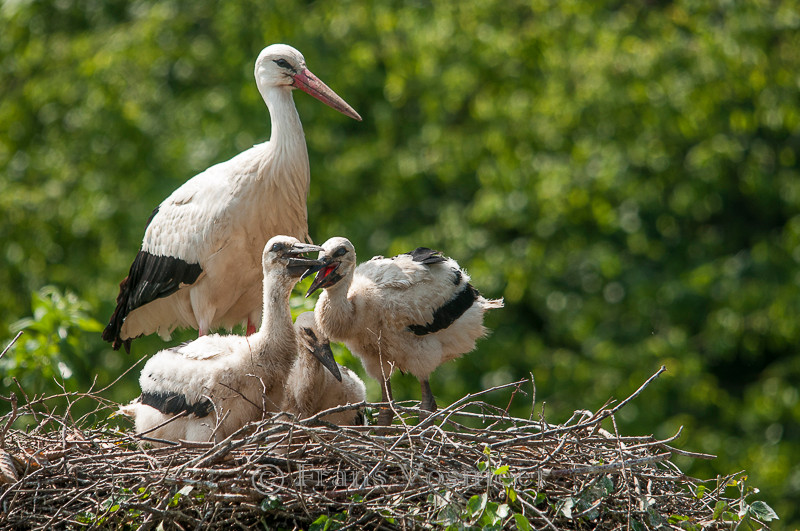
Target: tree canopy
point(625, 175)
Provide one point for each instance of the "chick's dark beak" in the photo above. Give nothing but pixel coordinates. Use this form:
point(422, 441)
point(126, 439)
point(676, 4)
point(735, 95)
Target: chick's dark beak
point(322, 351)
point(326, 275)
point(298, 264)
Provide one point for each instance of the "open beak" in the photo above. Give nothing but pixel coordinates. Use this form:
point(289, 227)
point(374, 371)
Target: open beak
point(324, 354)
point(311, 84)
point(326, 275)
point(298, 264)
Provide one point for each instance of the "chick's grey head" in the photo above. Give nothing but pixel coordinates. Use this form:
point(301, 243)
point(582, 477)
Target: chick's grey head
point(285, 254)
point(338, 259)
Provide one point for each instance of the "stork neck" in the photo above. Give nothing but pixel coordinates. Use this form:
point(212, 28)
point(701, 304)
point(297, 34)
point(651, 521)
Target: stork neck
point(337, 312)
point(276, 322)
point(287, 130)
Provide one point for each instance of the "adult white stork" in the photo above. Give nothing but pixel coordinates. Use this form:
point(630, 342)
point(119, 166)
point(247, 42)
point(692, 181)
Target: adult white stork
point(412, 312)
point(210, 387)
point(311, 388)
point(200, 261)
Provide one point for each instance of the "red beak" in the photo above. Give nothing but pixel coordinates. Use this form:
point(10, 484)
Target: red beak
point(311, 84)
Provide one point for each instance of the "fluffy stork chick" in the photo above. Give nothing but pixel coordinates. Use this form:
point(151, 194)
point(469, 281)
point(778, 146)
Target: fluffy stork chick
point(311, 388)
point(200, 261)
point(209, 388)
point(412, 312)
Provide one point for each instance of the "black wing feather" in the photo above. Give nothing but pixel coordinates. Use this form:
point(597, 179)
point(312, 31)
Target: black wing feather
point(426, 256)
point(447, 314)
point(150, 277)
point(175, 403)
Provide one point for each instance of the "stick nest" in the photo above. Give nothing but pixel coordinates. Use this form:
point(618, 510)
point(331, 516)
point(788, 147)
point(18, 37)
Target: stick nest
point(470, 464)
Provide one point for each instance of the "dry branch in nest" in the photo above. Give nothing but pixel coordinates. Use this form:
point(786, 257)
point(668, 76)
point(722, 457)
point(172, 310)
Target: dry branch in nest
point(443, 471)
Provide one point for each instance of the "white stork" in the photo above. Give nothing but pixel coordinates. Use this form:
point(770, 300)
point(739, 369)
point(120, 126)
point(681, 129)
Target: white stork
point(412, 312)
point(310, 388)
point(200, 261)
point(210, 387)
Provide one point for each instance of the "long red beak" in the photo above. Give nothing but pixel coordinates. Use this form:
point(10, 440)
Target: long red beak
point(311, 84)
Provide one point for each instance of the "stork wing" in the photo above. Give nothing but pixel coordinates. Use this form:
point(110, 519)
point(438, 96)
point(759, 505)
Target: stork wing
point(177, 379)
point(207, 347)
point(189, 226)
point(411, 287)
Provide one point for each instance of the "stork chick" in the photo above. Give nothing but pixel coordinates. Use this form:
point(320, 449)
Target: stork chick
point(209, 388)
point(200, 261)
point(412, 312)
point(311, 388)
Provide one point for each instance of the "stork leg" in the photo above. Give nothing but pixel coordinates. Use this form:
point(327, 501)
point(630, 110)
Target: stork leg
point(386, 415)
point(251, 328)
point(428, 404)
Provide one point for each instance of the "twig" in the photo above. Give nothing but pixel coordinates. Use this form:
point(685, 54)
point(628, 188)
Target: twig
point(610, 467)
point(10, 344)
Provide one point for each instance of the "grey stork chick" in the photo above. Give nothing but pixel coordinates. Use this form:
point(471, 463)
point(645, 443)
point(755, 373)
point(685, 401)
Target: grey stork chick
point(412, 312)
point(200, 261)
point(317, 382)
point(209, 388)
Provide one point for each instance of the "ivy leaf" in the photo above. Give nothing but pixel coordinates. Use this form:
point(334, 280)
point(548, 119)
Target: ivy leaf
point(719, 508)
point(762, 511)
point(523, 524)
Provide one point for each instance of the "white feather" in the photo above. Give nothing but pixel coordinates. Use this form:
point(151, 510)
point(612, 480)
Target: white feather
point(222, 217)
point(311, 388)
point(373, 305)
point(242, 376)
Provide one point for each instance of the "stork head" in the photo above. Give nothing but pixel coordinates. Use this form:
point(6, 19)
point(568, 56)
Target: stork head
point(280, 65)
point(285, 253)
point(310, 340)
point(337, 260)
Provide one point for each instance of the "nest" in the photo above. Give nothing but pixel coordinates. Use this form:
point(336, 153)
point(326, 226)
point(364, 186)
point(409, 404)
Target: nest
point(470, 464)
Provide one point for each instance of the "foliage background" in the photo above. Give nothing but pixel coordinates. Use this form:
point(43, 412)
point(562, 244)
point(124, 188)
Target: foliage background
point(624, 174)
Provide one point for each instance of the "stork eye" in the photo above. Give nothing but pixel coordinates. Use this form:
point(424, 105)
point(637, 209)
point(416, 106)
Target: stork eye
point(283, 63)
point(341, 251)
point(277, 247)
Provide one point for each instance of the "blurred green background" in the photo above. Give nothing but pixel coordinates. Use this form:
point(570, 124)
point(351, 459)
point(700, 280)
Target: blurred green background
point(626, 175)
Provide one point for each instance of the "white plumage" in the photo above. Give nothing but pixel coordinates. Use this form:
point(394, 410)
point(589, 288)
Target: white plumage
point(312, 385)
point(217, 383)
point(200, 261)
point(412, 312)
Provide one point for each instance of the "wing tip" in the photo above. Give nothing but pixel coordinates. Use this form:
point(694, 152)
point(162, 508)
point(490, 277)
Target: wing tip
point(427, 256)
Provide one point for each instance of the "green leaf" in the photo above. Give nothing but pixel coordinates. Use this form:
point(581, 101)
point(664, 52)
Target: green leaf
point(761, 511)
point(608, 484)
point(475, 505)
point(701, 490)
point(511, 494)
point(320, 524)
point(730, 516)
point(523, 524)
point(501, 470)
point(270, 503)
point(719, 508)
point(656, 520)
point(638, 526)
point(489, 516)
